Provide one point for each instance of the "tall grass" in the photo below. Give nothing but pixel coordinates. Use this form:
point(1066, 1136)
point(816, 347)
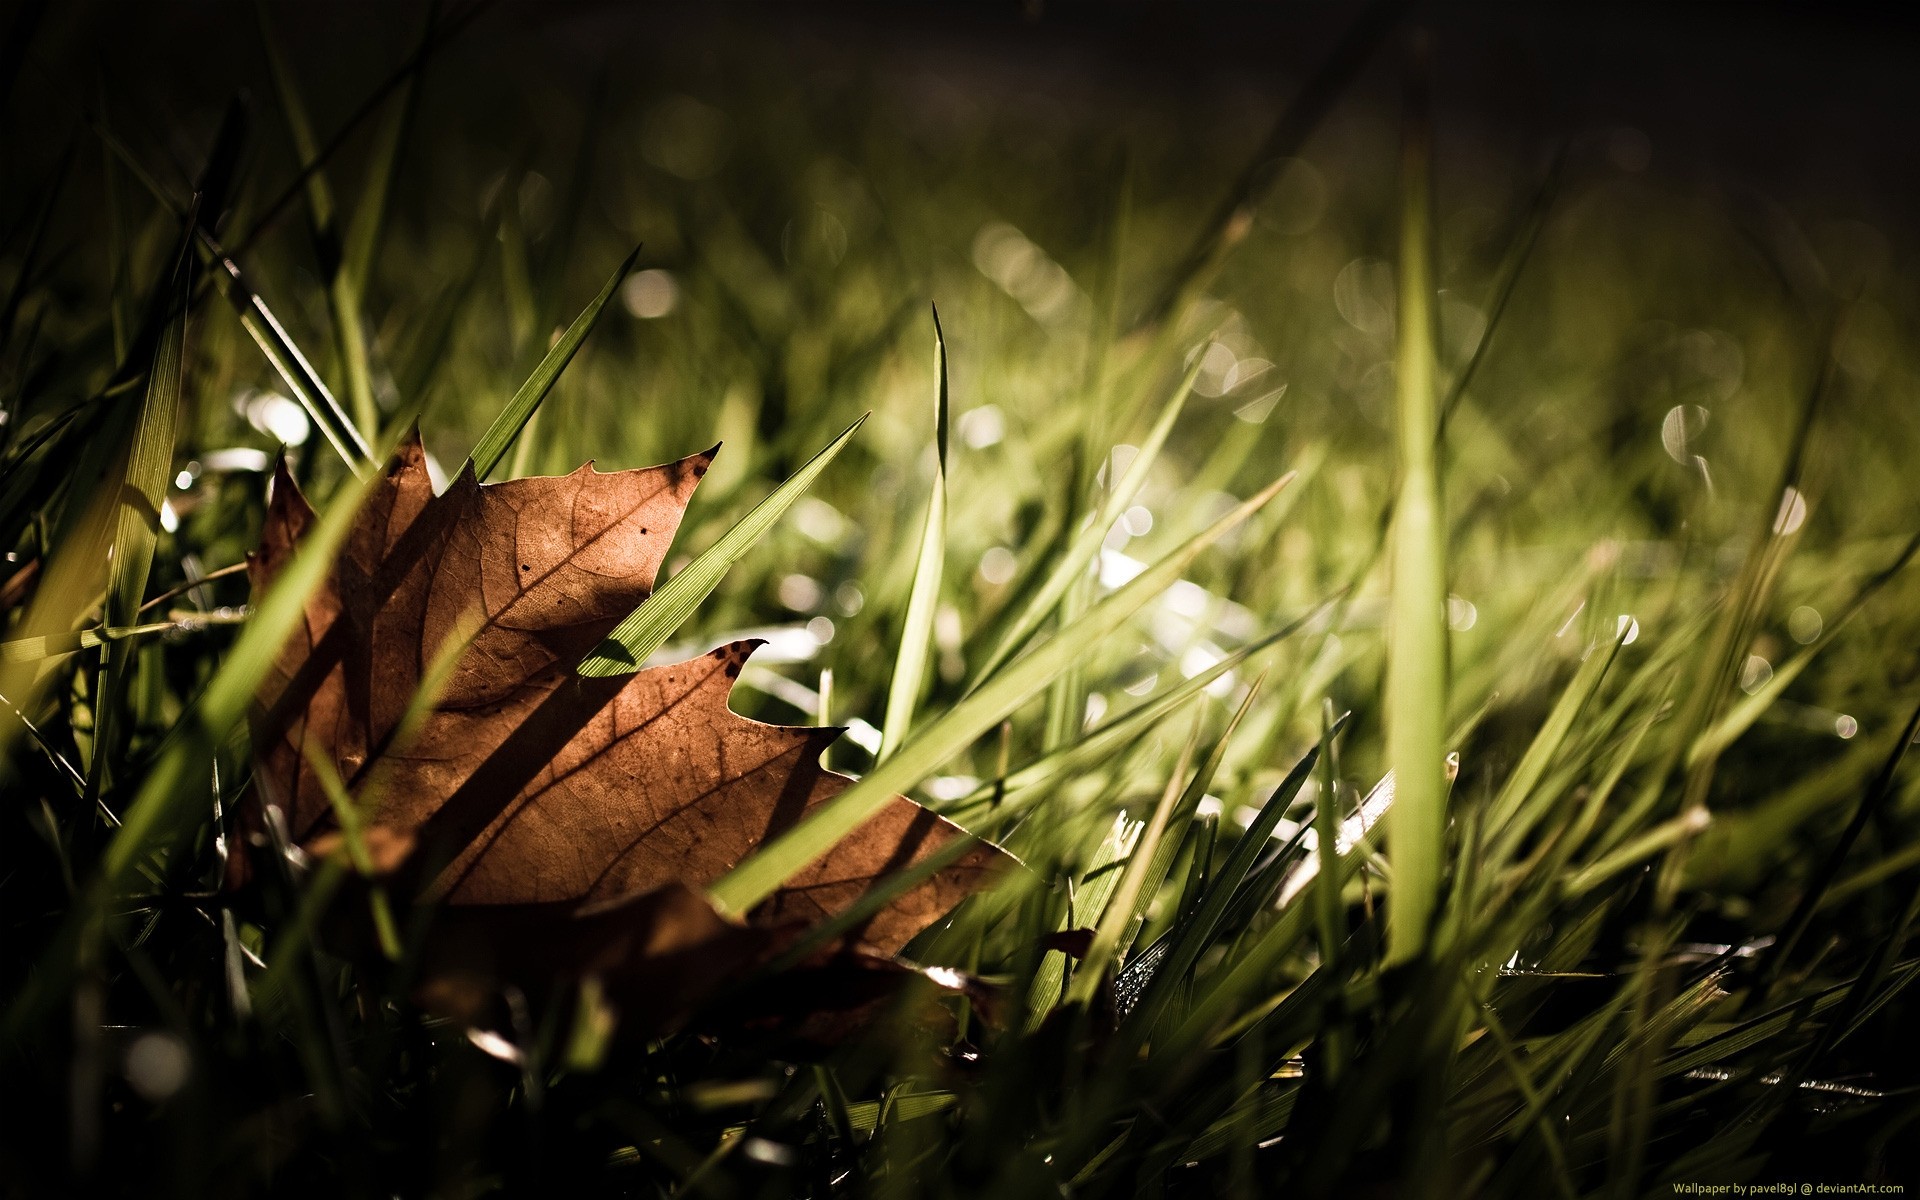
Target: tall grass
point(1442, 634)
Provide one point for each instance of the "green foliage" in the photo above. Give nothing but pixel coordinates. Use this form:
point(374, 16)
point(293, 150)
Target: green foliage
point(1601, 487)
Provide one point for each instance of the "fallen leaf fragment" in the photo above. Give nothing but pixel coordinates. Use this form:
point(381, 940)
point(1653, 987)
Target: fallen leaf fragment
point(565, 824)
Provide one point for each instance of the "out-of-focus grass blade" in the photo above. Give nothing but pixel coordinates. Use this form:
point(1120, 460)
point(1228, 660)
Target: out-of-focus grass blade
point(428, 340)
point(1870, 806)
point(1102, 875)
point(232, 688)
point(1511, 816)
point(1188, 941)
point(173, 781)
point(889, 889)
point(1153, 854)
point(343, 294)
point(1130, 725)
point(1117, 915)
point(757, 878)
point(300, 377)
point(916, 634)
point(1416, 687)
point(1750, 708)
point(443, 34)
point(1072, 565)
point(137, 523)
point(1511, 264)
point(1233, 219)
point(255, 317)
point(368, 223)
point(353, 839)
point(1661, 837)
point(648, 627)
point(506, 427)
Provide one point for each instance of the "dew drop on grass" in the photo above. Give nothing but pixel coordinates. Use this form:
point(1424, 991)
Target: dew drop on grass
point(1461, 614)
point(801, 593)
point(1096, 708)
point(997, 565)
point(157, 1065)
point(1805, 625)
point(650, 294)
point(983, 426)
point(1792, 514)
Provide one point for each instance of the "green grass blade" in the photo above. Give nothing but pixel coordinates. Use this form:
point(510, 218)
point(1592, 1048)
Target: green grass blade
point(1871, 805)
point(1089, 903)
point(1329, 914)
point(287, 360)
point(1073, 564)
point(1130, 726)
point(343, 293)
point(757, 878)
point(1511, 266)
point(648, 627)
point(1511, 816)
point(916, 635)
point(368, 223)
point(172, 785)
point(137, 522)
point(1117, 915)
point(1153, 854)
point(1231, 221)
point(1416, 687)
point(506, 427)
point(1749, 709)
point(1192, 938)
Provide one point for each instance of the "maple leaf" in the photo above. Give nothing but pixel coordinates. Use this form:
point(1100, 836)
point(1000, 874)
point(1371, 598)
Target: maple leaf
point(566, 824)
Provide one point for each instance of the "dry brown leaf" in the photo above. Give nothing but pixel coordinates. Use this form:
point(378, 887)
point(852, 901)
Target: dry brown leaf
point(542, 807)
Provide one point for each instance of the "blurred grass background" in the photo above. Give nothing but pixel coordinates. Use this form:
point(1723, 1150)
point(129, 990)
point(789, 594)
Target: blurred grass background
point(1645, 328)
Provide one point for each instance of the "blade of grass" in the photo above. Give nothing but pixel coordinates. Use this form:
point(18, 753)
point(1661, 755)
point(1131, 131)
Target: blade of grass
point(170, 786)
point(137, 524)
point(916, 634)
point(288, 361)
point(1511, 816)
point(1329, 912)
point(1128, 726)
point(255, 317)
point(1117, 914)
point(1511, 265)
point(1088, 902)
point(343, 297)
point(1192, 937)
point(1749, 709)
point(407, 70)
point(1416, 685)
point(506, 427)
point(1183, 816)
point(1871, 804)
point(1072, 565)
point(368, 223)
point(764, 871)
point(648, 627)
point(1232, 220)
